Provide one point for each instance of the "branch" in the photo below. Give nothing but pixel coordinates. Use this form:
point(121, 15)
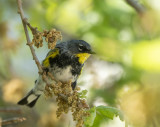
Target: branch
point(25, 23)
point(65, 99)
point(11, 110)
point(20, 11)
point(12, 120)
point(137, 6)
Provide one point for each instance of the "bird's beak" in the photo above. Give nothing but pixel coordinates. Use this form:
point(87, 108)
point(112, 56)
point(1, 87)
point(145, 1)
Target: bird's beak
point(92, 52)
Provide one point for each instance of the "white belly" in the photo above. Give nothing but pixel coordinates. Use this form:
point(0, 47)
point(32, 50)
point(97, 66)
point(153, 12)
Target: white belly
point(63, 75)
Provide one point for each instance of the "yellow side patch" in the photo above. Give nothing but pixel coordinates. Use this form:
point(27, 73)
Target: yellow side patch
point(82, 57)
point(51, 54)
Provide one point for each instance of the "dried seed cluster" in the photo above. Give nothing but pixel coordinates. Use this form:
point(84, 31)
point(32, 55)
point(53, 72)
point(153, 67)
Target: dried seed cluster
point(68, 99)
point(37, 39)
point(51, 37)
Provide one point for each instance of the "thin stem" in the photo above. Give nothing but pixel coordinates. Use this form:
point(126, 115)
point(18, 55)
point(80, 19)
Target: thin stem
point(44, 76)
point(137, 6)
point(20, 11)
point(12, 120)
point(11, 110)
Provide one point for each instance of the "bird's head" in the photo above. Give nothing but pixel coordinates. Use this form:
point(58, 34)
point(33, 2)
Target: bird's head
point(79, 46)
point(80, 49)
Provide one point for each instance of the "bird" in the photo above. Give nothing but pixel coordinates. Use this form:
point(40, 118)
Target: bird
point(65, 62)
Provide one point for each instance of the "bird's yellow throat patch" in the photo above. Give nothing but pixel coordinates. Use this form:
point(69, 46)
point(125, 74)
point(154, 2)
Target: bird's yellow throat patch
point(82, 57)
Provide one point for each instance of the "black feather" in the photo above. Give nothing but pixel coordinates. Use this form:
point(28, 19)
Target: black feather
point(74, 85)
point(24, 101)
point(33, 102)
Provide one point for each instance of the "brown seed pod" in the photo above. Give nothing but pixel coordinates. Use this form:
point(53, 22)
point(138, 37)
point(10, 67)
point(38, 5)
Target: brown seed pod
point(37, 39)
point(67, 99)
point(51, 37)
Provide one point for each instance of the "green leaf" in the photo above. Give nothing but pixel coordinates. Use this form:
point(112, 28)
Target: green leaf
point(83, 94)
point(99, 120)
point(109, 112)
point(88, 122)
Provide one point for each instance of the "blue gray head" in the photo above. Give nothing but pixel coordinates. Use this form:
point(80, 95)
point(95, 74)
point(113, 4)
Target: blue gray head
point(79, 46)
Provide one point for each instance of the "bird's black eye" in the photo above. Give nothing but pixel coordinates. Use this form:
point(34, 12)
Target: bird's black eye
point(81, 47)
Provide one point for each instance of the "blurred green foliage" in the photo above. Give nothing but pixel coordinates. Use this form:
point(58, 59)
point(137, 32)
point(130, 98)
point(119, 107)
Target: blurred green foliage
point(116, 32)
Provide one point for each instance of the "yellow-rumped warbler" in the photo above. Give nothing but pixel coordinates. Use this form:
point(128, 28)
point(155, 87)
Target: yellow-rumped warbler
point(65, 62)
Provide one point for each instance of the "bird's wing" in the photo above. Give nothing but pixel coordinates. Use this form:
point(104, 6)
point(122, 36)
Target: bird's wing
point(51, 54)
point(60, 49)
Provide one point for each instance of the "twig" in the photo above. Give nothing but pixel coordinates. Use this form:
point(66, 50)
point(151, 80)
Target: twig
point(12, 120)
point(45, 76)
point(25, 23)
point(137, 6)
point(33, 29)
point(20, 11)
point(11, 110)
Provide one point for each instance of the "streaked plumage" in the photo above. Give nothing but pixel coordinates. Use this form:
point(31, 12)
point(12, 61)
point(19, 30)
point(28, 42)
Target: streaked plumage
point(65, 62)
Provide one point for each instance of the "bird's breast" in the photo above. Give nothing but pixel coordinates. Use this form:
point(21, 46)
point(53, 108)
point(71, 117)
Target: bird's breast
point(63, 74)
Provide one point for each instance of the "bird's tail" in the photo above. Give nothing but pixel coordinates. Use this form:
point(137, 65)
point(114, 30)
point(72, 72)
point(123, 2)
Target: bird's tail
point(30, 99)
